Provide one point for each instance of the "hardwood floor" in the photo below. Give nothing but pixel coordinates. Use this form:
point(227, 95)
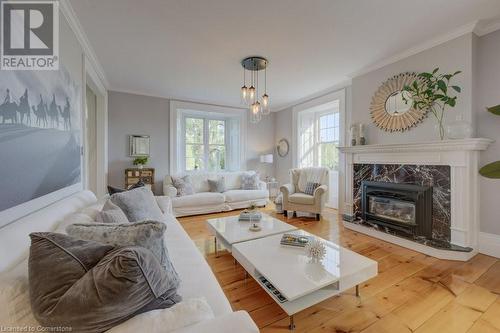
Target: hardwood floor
point(412, 292)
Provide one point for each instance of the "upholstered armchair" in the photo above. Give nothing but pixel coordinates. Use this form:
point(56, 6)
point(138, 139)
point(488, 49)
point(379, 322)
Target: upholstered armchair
point(298, 197)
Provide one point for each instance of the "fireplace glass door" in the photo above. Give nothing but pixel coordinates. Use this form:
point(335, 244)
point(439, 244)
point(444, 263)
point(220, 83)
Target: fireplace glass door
point(392, 209)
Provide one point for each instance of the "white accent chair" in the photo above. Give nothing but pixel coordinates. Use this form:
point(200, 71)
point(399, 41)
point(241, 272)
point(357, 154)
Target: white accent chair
point(294, 198)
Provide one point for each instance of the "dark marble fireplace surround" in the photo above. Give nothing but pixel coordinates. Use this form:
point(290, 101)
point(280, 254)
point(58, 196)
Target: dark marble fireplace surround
point(435, 176)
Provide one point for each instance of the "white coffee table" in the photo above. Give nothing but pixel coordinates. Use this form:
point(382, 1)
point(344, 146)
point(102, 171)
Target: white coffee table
point(292, 274)
point(229, 230)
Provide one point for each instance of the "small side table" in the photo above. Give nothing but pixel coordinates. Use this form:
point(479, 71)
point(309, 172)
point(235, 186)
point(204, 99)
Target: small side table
point(133, 175)
point(273, 188)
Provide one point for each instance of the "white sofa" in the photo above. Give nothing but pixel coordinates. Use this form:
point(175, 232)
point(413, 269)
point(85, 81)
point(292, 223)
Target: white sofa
point(197, 279)
point(203, 201)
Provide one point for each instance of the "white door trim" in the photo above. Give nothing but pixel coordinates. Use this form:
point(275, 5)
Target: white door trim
point(93, 80)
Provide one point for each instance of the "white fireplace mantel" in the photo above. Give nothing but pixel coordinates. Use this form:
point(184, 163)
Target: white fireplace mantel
point(463, 158)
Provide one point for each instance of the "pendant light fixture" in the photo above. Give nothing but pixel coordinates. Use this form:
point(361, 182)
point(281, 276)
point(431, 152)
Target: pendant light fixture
point(258, 106)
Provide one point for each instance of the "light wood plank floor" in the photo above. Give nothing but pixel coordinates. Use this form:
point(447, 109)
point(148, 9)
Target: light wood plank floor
point(412, 292)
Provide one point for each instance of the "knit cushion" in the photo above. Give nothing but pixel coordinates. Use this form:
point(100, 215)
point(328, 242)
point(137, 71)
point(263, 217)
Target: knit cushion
point(311, 187)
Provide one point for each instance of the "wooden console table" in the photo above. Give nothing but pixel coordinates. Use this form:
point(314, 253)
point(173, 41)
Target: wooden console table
point(133, 175)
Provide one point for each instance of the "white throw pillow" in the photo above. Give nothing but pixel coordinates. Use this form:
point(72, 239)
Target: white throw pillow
point(72, 219)
point(250, 181)
point(185, 313)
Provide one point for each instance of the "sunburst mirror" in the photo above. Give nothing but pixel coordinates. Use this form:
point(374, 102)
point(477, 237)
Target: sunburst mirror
point(392, 108)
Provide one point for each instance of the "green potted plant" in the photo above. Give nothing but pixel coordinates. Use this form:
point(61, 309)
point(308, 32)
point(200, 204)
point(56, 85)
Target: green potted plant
point(141, 161)
point(433, 95)
point(492, 170)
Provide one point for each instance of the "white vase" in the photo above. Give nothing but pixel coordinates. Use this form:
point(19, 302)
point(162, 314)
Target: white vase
point(140, 166)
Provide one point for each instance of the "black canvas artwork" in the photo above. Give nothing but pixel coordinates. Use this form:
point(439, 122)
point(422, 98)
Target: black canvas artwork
point(40, 134)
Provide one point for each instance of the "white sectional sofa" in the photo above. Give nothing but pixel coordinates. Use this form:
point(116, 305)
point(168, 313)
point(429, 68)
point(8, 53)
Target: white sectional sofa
point(203, 201)
point(197, 279)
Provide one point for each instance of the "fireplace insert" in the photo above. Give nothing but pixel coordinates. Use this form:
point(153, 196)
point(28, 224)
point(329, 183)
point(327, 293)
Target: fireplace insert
point(405, 208)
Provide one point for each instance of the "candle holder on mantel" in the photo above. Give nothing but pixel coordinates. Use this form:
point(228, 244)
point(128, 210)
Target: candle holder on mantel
point(354, 133)
point(362, 137)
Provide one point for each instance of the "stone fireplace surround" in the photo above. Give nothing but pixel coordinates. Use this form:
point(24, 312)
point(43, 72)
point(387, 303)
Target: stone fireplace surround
point(450, 165)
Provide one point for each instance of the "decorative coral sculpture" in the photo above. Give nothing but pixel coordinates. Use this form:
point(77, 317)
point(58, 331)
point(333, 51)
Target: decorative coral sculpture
point(315, 249)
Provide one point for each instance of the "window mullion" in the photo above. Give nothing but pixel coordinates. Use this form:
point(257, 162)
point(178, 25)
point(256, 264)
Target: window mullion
point(205, 144)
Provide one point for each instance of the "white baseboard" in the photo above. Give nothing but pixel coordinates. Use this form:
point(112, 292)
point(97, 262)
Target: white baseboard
point(489, 244)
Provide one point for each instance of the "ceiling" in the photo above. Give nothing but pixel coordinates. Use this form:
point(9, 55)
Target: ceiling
point(191, 49)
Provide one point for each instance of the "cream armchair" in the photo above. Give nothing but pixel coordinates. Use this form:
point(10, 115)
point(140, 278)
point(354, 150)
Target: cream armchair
point(294, 198)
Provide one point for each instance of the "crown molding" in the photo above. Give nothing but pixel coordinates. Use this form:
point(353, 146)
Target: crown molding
point(460, 31)
point(74, 23)
point(487, 26)
point(339, 86)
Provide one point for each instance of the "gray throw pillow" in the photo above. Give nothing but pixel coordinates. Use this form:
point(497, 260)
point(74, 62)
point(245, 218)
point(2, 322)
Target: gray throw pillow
point(111, 213)
point(218, 185)
point(138, 204)
point(148, 234)
point(92, 287)
point(311, 187)
point(183, 185)
point(250, 181)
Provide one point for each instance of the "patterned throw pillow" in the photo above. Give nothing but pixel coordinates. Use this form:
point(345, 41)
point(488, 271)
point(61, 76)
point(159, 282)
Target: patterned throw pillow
point(183, 185)
point(250, 181)
point(218, 185)
point(311, 187)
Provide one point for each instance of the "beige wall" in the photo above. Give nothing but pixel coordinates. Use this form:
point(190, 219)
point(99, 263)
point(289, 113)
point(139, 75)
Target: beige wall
point(449, 57)
point(488, 125)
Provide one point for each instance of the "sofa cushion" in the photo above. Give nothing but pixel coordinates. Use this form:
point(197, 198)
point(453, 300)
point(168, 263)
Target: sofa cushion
point(198, 199)
point(197, 277)
point(245, 195)
point(138, 204)
point(233, 179)
point(200, 182)
point(185, 313)
point(97, 286)
point(301, 198)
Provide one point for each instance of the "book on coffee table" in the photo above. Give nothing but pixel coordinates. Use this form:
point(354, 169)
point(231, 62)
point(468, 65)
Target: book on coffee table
point(250, 216)
point(295, 240)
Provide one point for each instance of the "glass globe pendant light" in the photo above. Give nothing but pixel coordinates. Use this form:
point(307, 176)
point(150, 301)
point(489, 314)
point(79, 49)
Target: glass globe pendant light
point(244, 90)
point(257, 105)
point(255, 114)
point(265, 98)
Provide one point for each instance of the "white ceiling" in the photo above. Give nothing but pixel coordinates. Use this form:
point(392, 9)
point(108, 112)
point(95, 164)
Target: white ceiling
point(191, 49)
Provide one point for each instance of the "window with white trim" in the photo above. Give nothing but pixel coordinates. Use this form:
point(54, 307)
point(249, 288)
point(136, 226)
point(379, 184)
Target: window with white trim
point(205, 144)
point(206, 138)
point(318, 130)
